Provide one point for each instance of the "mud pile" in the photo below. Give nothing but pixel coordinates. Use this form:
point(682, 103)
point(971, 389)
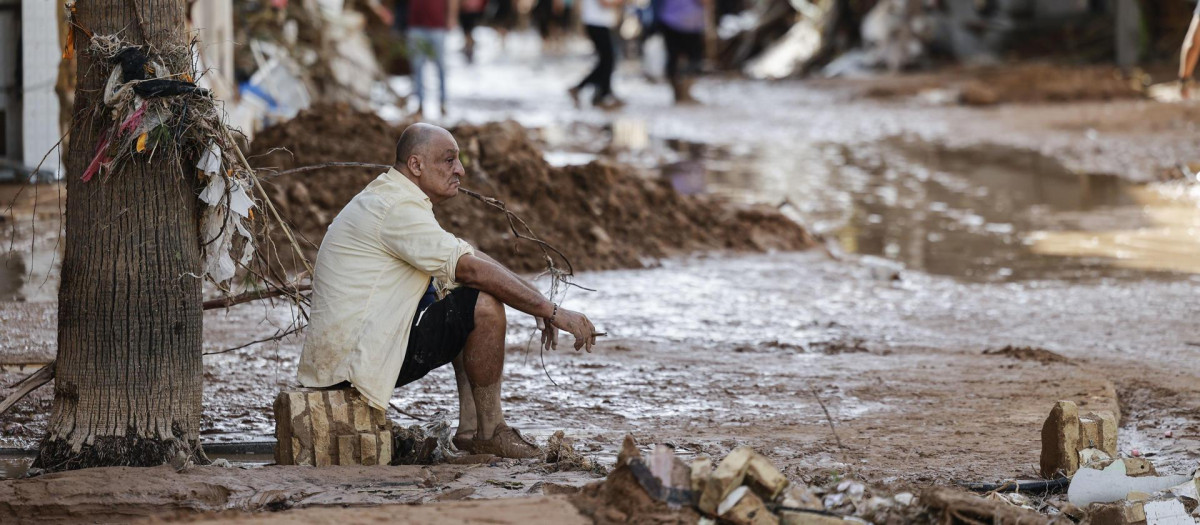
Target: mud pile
point(599, 215)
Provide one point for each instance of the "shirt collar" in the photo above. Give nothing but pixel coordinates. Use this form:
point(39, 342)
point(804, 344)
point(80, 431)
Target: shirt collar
point(406, 185)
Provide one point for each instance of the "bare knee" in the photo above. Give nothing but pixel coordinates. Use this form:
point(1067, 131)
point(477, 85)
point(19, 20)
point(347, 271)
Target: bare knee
point(489, 312)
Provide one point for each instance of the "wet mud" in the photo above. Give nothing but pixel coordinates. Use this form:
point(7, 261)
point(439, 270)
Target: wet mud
point(929, 212)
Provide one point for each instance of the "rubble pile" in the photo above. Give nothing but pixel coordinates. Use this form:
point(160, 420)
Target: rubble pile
point(743, 489)
point(601, 216)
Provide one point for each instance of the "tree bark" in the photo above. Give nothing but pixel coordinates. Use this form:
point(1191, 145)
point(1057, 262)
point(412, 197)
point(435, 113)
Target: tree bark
point(129, 374)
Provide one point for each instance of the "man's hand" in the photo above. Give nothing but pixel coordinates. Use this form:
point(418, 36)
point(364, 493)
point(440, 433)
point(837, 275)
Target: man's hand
point(578, 325)
point(549, 333)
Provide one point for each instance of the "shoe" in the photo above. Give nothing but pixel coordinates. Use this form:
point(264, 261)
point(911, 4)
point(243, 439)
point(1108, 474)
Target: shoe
point(609, 103)
point(506, 442)
point(574, 94)
point(683, 92)
point(463, 442)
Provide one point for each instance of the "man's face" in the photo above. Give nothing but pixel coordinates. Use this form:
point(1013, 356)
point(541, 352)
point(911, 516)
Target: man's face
point(441, 171)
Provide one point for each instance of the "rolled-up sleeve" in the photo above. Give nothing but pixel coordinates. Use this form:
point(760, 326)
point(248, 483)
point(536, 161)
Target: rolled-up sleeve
point(410, 232)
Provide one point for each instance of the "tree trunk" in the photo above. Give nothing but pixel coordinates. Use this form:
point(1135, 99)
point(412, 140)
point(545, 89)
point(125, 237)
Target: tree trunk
point(129, 378)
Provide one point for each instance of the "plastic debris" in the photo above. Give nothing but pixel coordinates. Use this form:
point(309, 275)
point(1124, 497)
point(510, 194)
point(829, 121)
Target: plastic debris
point(1112, 484)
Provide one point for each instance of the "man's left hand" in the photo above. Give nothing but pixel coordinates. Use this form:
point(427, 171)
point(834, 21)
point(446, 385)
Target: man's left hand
point(549, 334)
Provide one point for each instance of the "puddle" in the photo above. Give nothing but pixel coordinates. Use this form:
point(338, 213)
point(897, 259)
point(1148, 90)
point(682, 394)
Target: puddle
point(984, 214)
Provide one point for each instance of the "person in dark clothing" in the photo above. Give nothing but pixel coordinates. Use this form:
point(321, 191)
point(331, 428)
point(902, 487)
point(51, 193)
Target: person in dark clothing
point(470, 14)
point(682, 24)
point(599, 18)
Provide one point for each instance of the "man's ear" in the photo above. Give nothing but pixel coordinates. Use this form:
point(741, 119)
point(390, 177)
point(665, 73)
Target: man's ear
point(414, 165)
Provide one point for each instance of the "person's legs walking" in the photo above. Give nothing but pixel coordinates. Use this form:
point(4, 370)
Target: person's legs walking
point(438, 44)
point(417, 48)
point(594, 33)
point(606, 46)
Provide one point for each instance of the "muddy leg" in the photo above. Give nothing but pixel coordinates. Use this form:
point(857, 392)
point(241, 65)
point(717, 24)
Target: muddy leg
point(467, 417)
point(483, 363)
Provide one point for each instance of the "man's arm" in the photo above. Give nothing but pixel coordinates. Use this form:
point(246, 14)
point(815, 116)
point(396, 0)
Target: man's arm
point(494, 279)
point(1189, 53)
point(513, 274)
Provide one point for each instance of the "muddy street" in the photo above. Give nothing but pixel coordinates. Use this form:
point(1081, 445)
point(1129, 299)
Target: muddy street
point(973, 267)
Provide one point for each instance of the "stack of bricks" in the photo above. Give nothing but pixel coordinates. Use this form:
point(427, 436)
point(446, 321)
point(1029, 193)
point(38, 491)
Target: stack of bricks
point(330, 427)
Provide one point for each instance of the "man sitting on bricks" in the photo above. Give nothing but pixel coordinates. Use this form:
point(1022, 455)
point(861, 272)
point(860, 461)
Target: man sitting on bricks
point(377, 321)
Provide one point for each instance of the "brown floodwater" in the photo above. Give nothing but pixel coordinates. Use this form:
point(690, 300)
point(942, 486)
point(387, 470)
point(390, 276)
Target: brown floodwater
point(981, 214)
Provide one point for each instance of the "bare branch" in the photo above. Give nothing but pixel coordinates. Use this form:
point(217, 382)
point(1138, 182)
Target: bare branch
point(226, 302)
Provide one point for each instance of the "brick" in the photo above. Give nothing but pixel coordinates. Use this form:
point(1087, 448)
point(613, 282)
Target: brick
point(1119, 513)
point(749, 509)
point(322, 442)
point(701, 471)
point(769, 482)
point(728, 476)
point(346, 449)
point(369, 445)
point(1060, 440)
point(385, 448)
point(293, 429)
point(1098, 430)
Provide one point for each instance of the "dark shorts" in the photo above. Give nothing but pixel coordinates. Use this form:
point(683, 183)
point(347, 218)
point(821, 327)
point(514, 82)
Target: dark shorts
point(469, 21)
point(439, 334)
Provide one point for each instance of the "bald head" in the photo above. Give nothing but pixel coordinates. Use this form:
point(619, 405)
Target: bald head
point(428, 156)
point(415, 138)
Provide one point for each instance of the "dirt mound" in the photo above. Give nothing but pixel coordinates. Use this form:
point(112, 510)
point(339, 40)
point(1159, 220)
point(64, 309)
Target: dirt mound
point(1028, 353)
point(601, 216)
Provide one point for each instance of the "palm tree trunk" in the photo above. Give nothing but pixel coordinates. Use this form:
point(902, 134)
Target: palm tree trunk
point(129, 376)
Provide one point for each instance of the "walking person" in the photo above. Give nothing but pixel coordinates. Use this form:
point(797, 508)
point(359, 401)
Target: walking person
point(469, 17)
point(599, 17)
point(428, 23)
point(682, 23)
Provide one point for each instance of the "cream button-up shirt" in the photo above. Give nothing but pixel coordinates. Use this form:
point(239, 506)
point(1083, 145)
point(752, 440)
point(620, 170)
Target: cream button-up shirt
point(372, 269)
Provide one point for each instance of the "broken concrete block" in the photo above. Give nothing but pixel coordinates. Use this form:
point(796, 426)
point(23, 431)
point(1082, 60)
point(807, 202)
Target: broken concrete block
point(800, 497)
point(1060, 440)
point(1098, 430)
point(1137, 467)
point(743, 507)
point(767, 480)
point(310, 425)
point(808, 518)
point(701, 471)
point(1119, 513)
point(728, 476)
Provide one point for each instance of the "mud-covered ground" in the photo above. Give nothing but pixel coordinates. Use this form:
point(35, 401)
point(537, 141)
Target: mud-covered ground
point(946, 226)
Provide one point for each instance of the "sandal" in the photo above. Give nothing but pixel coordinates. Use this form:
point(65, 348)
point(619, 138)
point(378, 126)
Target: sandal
point(506, 442)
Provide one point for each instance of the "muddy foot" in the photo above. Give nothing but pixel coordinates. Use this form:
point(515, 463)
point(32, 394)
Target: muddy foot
point(506, 442)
